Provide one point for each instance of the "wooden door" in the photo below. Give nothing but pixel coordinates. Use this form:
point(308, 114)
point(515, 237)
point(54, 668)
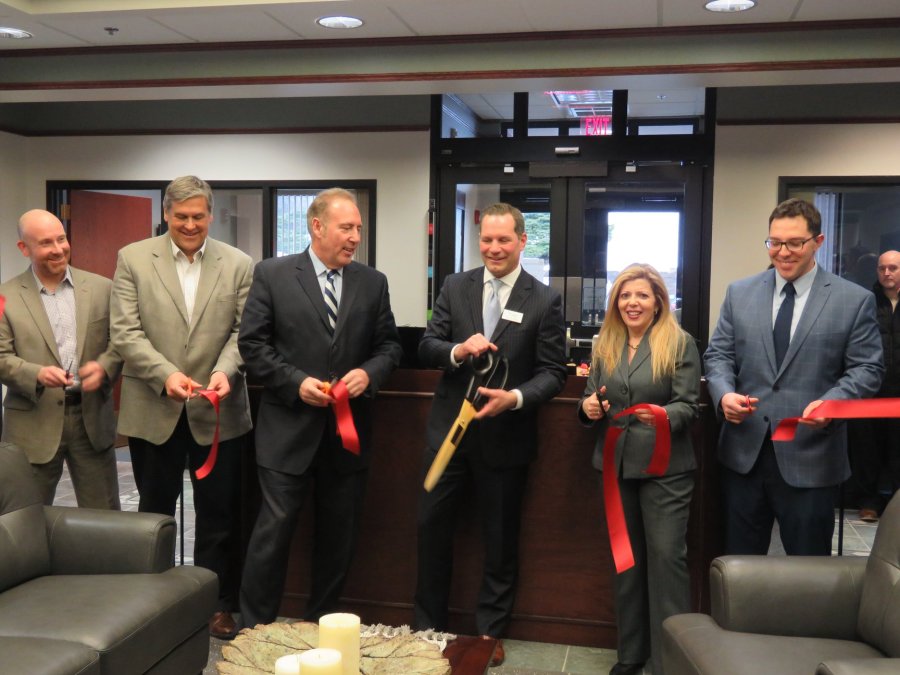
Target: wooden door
point(101, 223)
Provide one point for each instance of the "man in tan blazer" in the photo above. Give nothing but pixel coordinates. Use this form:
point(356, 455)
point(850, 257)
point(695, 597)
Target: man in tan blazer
point(58, 367)
point(176, 308)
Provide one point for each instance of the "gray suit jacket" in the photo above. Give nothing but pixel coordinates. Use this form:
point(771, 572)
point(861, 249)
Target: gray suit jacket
point(34, 414)
point(835, 353)
point(150, 330)
point(632, 383)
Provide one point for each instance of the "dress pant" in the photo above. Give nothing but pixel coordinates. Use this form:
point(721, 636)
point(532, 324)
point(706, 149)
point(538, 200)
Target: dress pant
point(499, 492)
point(159, 473)
point(875, 459)
point(338, 498)
point(753, 501)
point(94, 475)
point(658, 586)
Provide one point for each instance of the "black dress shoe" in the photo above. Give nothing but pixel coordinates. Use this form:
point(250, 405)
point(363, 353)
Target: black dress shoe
point(627, 669)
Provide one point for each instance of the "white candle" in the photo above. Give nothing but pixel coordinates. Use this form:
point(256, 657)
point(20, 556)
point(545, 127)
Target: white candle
point(288, 665)
point(341, 632)
point(321, 662)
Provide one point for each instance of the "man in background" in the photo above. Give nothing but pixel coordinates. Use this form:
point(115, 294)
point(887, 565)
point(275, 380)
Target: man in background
point(501, 309)
point(176, 309)
point(312, 319)
point(786, 340)
point(875, 443)
point(59, 368)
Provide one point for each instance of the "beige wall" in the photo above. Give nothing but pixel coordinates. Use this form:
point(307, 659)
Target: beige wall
point(398, 161)
point(749, 161)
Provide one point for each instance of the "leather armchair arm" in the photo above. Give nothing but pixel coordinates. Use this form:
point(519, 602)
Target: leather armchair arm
point(91, 541)
point(859, 667)
point(793, 596)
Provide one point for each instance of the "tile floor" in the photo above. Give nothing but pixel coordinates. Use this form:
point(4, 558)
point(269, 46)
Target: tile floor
point(522, 658)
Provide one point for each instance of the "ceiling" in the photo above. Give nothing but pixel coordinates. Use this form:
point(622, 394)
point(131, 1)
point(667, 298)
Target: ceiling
point(85, 25)
point(90, 23)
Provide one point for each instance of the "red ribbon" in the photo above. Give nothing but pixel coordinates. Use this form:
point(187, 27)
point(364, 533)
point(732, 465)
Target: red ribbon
point(346, 429)
point(619, 540)
point(841, 410)
point(204, 471)
point(2, 305)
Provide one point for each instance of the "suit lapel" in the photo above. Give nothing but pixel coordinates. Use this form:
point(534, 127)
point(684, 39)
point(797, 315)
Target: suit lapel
point(475, 293)
point(815, 303)
point(210, 270)
point(164, 264)
point(763, 309)
point(82, 311)
point(306, 276)
point(518, 298)
point(31, 297)
point(641, 355)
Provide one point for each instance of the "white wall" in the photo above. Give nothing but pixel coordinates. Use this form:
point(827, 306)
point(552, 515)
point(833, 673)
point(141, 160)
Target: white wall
point(13, 167)
point(749, 161)
point(398, 161)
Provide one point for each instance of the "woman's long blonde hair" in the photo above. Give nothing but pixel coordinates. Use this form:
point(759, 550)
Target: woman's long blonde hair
point(667, 339)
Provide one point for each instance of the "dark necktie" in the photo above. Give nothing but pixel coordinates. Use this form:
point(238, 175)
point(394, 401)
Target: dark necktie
point(331, 303)
point(782, 330)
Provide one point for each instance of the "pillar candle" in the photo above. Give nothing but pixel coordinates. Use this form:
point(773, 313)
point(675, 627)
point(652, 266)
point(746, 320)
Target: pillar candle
point(288, 665)
point(321, 661)
point(341, 632)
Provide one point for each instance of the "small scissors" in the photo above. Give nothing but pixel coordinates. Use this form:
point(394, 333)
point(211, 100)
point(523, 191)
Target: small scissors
point(484, 374)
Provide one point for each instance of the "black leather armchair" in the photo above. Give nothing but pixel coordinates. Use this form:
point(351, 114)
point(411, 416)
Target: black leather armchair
point(796, 614)
point(88, 591)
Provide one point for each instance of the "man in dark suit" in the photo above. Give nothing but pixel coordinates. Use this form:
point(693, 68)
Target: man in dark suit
point(310, 319)
point(502, 440)
point(786, 340)
point(176, 306)
point(59, 368)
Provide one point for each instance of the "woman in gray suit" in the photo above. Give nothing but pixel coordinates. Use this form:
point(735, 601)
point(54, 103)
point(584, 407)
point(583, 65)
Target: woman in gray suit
point(643, 356)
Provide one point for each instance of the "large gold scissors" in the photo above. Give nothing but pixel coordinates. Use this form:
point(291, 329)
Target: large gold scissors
point(484, 374)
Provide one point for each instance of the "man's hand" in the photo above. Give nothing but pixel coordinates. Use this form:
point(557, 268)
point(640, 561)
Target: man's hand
point(218, 382)
point(814, 423)
point(474, 346)
point(180, 387)
point(736, 407)
point(357, 381)
point(92, 376)
point(499, 400)
point(312, 392)
point(54, 376)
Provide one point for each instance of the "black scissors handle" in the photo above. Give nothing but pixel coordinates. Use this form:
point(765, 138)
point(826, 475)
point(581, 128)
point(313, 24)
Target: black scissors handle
point(485, 369)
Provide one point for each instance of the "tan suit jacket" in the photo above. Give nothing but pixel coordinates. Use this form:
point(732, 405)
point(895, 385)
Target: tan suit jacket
point(150, 329)
point(34, 414)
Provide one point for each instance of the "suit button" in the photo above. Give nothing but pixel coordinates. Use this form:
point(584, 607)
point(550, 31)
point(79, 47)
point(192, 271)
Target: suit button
point(776, 388)
point(60, 403)
point(766, 419)
point(624, 389)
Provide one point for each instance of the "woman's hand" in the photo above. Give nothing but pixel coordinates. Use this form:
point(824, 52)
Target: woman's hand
point(594, 408)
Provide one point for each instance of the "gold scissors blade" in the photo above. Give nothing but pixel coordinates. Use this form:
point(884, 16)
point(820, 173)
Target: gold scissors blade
point(448, 447)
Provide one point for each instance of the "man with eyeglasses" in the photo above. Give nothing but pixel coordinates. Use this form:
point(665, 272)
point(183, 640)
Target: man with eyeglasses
point(786, 340)
point(875, 444)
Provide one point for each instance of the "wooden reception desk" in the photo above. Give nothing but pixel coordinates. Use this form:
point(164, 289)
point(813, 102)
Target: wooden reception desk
point(565, 586)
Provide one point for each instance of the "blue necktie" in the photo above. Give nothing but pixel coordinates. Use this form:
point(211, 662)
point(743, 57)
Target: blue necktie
point(492, 309)
point(782, 331)
point(331, 303)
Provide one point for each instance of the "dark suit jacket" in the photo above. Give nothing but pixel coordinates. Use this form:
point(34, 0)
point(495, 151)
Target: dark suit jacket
point(285, 338)
point(835, 353)
point(632, 383)
point(535, 349)
point(34, 414)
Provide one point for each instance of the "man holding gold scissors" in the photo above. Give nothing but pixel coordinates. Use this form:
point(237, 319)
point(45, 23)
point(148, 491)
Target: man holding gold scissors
point(501, 440)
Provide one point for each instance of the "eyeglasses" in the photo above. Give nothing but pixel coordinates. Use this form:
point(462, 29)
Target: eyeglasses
point(793, 245)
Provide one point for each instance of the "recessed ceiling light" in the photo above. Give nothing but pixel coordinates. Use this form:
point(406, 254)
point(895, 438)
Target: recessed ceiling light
point(730, 5)
point(14, 33)
point(339, 22)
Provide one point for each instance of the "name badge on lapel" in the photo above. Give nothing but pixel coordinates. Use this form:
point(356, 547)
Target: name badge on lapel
point(512, 315)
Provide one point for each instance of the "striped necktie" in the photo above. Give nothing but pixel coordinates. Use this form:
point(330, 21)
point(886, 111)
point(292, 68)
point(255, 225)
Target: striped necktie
point(331, 303)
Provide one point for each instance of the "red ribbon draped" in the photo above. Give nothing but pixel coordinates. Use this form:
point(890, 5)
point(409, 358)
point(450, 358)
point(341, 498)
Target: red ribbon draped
point(2, 305)
point(619, 540)
point(842, 410)
point(204, 471)
point(346, 429)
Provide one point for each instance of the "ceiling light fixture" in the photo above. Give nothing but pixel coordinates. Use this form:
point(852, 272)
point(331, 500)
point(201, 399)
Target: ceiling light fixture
point(730, 5)
point(14, 33)
point(339, 22)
